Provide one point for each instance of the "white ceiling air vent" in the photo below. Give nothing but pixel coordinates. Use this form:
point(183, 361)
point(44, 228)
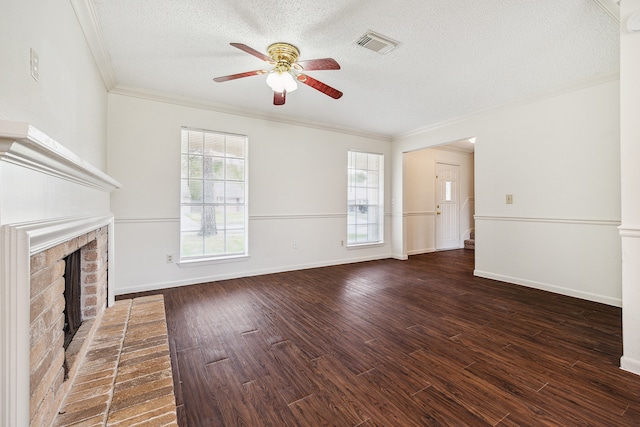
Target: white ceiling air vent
point(376, 42)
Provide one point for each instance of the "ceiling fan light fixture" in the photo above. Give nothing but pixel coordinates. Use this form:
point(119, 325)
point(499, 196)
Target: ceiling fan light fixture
point(280, 82)
point(286, 70)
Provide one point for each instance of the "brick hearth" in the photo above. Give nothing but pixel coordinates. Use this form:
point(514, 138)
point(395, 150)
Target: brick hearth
point(125, 378)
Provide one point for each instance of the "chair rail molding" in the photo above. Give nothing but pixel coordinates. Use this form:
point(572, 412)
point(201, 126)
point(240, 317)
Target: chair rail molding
point(629, 231)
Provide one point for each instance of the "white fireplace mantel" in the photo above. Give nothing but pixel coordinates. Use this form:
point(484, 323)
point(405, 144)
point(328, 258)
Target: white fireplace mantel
point(26, 147)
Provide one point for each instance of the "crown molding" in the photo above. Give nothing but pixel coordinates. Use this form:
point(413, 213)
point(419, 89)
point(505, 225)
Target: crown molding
point(86, 14)
point(612, 7)
point(222, 108)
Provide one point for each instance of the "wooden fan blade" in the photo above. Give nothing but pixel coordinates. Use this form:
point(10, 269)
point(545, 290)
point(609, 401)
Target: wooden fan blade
point(238, 76)
point(318, 85)
point(318, 64)
point(279, 98)
point(251, 51)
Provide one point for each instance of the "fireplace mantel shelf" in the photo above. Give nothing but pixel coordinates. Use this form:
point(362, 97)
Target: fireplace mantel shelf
point(24, 145)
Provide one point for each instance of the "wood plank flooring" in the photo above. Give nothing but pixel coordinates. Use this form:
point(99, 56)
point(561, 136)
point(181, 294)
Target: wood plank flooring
point(395, 343)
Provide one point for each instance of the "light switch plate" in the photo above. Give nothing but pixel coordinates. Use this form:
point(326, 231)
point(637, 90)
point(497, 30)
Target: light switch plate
point(509, 199)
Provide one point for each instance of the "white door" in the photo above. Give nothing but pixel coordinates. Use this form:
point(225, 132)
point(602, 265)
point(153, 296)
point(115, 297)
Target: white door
point(447, 209)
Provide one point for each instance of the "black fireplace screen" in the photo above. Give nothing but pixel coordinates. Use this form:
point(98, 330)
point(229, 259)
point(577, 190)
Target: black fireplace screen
point(72, 294)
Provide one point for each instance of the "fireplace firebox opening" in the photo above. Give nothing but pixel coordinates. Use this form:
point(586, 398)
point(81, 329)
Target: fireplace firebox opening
point(72, 299)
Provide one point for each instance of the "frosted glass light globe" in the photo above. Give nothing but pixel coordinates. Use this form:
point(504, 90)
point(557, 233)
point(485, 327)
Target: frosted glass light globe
point(280, 82)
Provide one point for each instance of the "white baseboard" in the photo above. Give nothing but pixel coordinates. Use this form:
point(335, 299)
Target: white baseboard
point(420, 251)
point(215, 278)
point(616, 302)
point(630, 365)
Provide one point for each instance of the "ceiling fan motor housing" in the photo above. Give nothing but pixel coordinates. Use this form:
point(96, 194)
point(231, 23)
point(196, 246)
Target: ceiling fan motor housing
point(284, 55)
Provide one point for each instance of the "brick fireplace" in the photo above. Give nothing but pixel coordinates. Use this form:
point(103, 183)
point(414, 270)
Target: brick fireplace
point(52, 368)
point(119, 363)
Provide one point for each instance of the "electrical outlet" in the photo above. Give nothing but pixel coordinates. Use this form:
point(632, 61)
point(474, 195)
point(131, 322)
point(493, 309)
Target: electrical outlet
point(341, 242)
point(509, 199)
point(35, 65)
point(169, 258)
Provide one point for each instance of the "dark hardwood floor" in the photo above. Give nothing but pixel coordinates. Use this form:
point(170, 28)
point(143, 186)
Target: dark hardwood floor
point(395, 343)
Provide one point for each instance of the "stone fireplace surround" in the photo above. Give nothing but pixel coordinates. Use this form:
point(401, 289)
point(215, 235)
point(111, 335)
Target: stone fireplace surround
point(32, 224)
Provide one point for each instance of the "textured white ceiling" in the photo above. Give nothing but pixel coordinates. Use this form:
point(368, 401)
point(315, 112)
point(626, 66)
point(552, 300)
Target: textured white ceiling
point(455, 57)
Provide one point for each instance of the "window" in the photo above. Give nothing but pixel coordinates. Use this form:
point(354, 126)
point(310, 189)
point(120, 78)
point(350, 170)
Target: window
point(365, 198)
point(213, 209)
point(448, 194)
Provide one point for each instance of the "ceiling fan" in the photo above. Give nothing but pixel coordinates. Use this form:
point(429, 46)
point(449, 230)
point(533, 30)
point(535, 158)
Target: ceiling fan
point(286, 70)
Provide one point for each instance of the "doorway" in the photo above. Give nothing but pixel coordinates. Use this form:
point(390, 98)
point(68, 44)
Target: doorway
point(420, 199)
point(447, 206)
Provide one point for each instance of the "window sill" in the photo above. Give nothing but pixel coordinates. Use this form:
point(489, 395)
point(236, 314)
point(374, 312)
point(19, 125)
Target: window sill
point(211, 261)
point(365, 245)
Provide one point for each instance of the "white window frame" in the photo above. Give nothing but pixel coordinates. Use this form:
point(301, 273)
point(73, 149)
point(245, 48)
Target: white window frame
point(216, 203)
point(365, 199)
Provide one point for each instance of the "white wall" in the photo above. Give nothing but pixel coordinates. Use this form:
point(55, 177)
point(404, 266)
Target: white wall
point(68, 103)
point(559, 157)
point(297, 193)
point(630, 153)
point(419, 196)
